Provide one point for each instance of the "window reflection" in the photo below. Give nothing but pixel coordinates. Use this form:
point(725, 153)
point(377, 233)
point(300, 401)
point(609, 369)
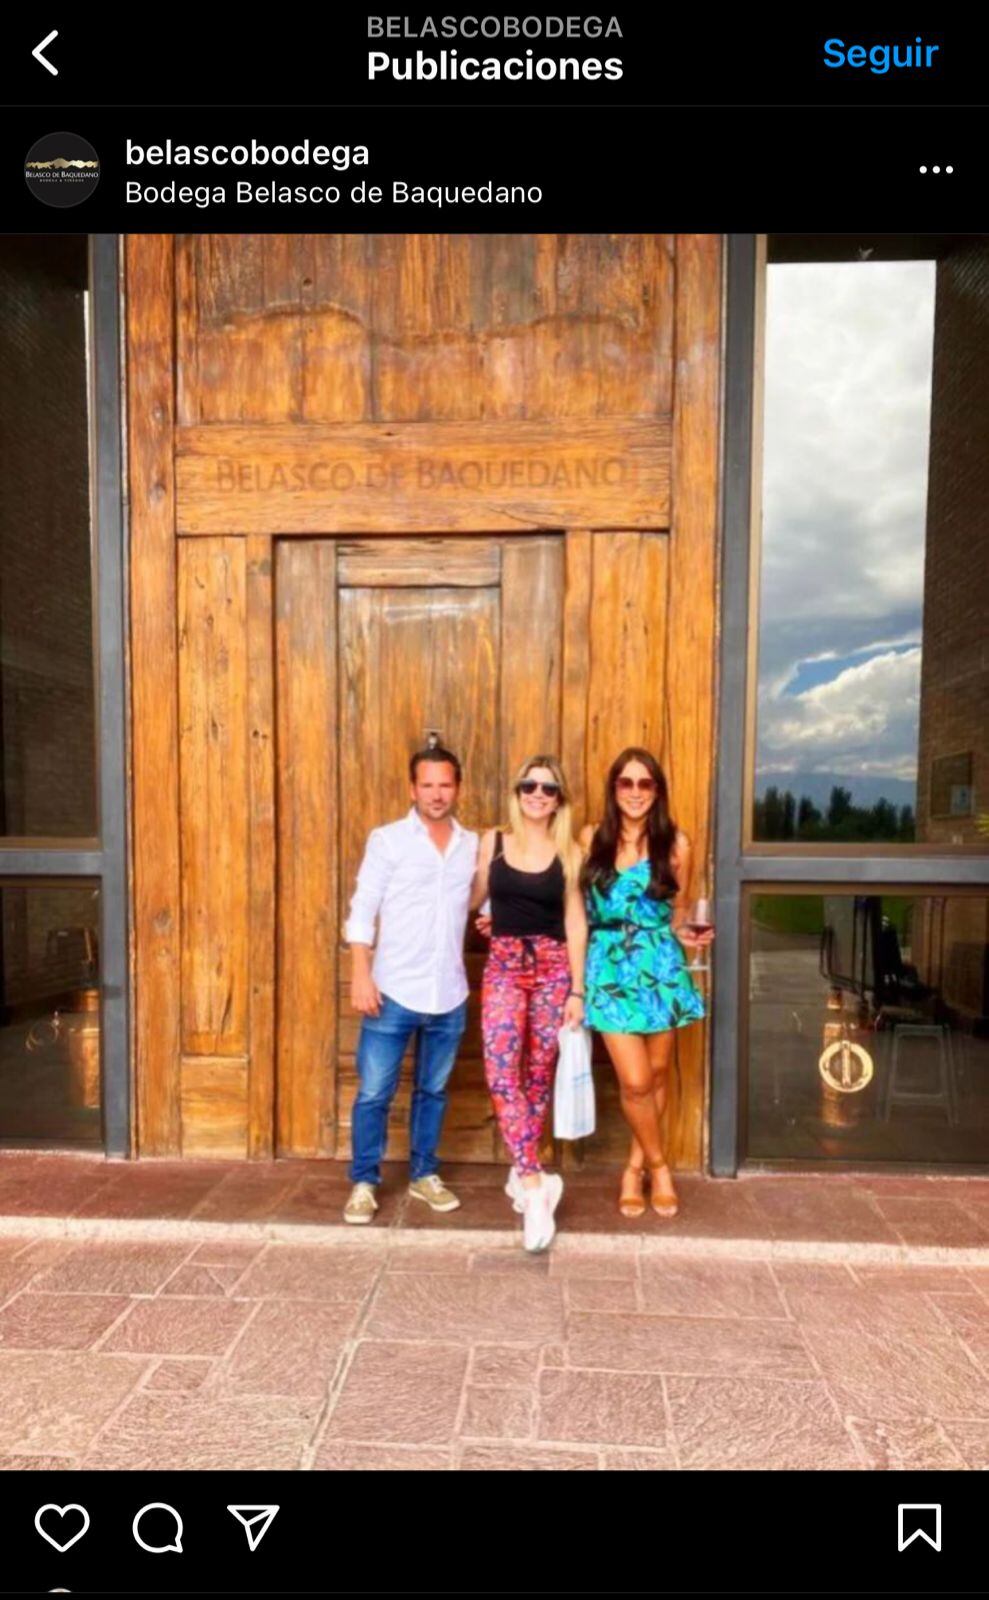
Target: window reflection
point(50, 1081)
point(47, 702)
point(869, 1027)
point(874, 585)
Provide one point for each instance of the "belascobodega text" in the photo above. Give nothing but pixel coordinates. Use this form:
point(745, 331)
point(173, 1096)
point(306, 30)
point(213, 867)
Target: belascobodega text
point(398, 192)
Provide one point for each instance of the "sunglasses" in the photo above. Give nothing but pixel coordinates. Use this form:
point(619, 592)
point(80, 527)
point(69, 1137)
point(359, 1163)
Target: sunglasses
point(533, 786)
point(640, 785)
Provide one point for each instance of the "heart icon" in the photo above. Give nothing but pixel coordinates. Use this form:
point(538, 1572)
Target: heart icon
point(61, 1511)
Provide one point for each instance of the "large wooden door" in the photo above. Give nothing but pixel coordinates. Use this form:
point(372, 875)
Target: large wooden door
point(380, 641)
point(379, 483)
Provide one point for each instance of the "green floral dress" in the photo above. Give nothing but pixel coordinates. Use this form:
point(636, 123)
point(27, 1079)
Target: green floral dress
point(636, 980)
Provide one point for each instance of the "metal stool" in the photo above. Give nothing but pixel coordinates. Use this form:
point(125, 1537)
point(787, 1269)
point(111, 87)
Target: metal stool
point(944, 1094)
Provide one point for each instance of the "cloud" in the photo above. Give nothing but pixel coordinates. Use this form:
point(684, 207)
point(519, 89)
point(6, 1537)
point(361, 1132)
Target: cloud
point(846, 428)
point(864, 721)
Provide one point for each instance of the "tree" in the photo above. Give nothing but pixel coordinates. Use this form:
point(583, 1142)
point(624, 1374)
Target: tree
point(839, 805)
point(788, 817)
point(808, 815)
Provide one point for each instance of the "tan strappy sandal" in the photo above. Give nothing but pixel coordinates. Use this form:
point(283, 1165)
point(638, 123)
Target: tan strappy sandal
point(631, 1201)
point(668, 1204)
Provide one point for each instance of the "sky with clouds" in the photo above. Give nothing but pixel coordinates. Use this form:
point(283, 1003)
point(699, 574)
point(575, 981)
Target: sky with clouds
point(847, 424)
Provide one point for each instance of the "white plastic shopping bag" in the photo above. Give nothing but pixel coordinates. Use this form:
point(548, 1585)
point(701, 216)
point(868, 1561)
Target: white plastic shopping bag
point(573, 1095)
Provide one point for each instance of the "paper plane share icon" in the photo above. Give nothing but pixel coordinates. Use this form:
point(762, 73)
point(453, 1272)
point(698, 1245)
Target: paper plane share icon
point(255, 1521)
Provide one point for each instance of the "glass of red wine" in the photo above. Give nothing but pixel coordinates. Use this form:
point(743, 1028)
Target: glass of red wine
point(699, 921)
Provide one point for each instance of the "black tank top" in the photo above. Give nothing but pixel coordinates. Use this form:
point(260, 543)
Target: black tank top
point(526, 903)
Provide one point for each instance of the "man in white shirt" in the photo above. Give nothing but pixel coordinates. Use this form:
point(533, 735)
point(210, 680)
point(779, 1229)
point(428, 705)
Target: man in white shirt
point(415, 881)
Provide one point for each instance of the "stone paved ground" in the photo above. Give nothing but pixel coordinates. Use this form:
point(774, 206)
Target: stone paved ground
point(164, 1315)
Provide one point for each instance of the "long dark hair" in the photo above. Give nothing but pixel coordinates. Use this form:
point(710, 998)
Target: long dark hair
point(661, 831)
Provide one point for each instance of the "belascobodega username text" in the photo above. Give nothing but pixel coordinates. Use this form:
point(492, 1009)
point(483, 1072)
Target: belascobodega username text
point(341, 157)
point(397, 192)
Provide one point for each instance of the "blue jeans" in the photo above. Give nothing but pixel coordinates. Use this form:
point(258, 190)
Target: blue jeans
point(383, 1042)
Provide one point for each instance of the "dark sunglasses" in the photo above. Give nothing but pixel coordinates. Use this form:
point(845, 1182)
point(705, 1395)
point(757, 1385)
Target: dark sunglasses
point(533, 786)
point(642, 785)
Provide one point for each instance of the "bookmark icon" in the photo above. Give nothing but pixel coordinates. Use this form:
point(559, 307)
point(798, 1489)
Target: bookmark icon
point(255, 1521)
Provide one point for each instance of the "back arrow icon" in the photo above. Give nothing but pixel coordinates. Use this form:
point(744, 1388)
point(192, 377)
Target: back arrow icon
point(36, 52)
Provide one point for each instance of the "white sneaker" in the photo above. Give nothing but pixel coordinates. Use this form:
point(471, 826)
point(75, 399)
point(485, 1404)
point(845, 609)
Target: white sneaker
point(515, 1190)
point(539, 1208)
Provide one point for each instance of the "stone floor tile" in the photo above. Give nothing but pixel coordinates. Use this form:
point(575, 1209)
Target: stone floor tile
point(114, 1267)
point(39, 1463)
point(971, 1440)
point(933, 1222)
point(322, 1199)
point(513, 1258)
point(823, 1275)
point(334, 1457)
point(758, 1423)
point(965, 1314)
point(553, 1355)
point(639, 1461)
point(15, 1277)
point(796, 1209)
point(602, 1294)
point(204, 1279)
point(922, 1445)
point(204, 1432)
point(58, 1401)
point(902, 1375)
point(58, 1321)
point(602, 1407)
point(481, 1206)
point(152, 1189)
point(416, 1258)
point(496, 1414)
point(525, 1458)
point(178, 1376)
point(290, 1347)
point(168, 1327)
point(51, 1186)
point(226, 1253)
point(591, 1263)
point(902, 1277)
point(895, 1310)
point(250, 1192)
point(474, 1175)
point(504, 1365)
point(675, 1286)
point(400, 1393)
point(313, 1272)
point(647, 1343)
point(483, 1308)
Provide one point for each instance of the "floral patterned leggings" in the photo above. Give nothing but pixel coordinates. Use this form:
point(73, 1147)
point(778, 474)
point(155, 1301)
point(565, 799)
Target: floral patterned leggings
point(525, 988)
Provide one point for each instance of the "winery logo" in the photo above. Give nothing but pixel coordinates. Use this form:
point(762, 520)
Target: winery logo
point(62, 169)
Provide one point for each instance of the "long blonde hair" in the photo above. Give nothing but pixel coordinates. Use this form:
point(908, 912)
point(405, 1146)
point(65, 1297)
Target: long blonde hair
point(561, 823)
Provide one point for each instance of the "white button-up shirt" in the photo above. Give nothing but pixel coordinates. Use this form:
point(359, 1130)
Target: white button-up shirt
point(420, 898)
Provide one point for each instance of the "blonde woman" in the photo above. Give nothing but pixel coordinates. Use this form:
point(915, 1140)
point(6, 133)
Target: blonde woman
point(533, 978)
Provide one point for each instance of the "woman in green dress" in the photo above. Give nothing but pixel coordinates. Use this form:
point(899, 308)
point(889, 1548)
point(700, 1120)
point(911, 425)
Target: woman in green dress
point(636, 879)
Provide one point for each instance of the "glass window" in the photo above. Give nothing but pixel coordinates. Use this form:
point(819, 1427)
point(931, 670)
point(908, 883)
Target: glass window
point(873, 676)
point(50, 1086)
point(47, 706)
point(868, 1027)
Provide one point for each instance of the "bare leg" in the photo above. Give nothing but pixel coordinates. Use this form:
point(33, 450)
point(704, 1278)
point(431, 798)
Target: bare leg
point(659, 1048)
point(636, 1082)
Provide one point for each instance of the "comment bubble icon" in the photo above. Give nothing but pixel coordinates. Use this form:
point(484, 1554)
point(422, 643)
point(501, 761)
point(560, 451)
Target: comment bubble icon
point(172, 1544)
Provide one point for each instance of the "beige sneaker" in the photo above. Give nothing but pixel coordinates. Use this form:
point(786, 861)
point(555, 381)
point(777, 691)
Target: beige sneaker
point(436, 1195)
point(361, 1205)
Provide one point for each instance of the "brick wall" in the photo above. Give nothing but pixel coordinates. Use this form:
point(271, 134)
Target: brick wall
point(954, 688)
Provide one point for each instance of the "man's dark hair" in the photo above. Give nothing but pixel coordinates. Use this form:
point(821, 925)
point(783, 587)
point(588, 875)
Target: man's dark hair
point(436, 752)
